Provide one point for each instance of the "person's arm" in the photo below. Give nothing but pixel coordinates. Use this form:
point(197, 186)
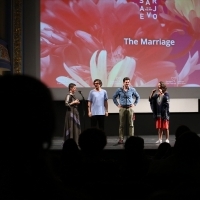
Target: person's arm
point(152, 93)
point(106, 107)
point(67, 100)
point(70, 102)
point(89, 109)
point(167, 99)
point(137, 97)
point(115, 98)
point(167, 95)
point(89, 103)
point(166, 105)
point(76, 101)
point(152, 101)
point(106, 102)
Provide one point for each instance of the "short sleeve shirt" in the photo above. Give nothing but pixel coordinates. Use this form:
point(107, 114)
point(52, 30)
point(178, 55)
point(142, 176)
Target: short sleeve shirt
point(97, 99)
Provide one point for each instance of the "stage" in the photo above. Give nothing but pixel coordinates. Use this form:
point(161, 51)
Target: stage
point(149, 142)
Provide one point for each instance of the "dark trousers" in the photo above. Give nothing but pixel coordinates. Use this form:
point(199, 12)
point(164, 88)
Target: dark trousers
point(98, 120)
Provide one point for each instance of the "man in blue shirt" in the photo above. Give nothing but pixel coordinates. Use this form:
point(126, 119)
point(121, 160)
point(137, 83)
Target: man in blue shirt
point(98, 104)
point(128, 98)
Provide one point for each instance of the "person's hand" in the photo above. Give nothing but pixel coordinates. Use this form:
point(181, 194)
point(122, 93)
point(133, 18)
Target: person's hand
point(153, 91)
point(106, 113)
point(77, 101)
point(119, 106)
point(89, 114)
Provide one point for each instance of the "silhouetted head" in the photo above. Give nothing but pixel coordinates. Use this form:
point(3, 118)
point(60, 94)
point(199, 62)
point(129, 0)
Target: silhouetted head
point(180, 130)
point(27, 113)
point(70, 145)
point(134, 143)
point(188, 144)
point(163, 150)
point(163, 147)
point(92, 140)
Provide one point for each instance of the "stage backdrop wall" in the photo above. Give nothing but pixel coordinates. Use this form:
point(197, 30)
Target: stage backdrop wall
point(144, 123)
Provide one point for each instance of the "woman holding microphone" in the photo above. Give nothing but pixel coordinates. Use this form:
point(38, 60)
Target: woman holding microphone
point(159, 102)
point(72, 128)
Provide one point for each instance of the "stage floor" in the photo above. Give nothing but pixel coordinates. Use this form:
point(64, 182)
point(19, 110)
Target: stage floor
point(149, 142)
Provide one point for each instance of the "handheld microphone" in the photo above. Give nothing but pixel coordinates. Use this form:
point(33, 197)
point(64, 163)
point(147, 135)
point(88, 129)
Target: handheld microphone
point(79, 91)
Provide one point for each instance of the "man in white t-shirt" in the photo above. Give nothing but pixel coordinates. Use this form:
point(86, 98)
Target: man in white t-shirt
point(98, 105)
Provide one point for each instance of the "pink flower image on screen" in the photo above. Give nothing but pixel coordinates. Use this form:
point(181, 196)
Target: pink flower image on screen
point(146, 40)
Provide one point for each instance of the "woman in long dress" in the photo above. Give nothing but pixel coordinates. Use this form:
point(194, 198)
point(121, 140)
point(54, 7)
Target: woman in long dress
point(72, 128)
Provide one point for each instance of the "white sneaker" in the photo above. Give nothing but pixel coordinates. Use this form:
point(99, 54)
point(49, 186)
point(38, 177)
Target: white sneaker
point(167, 140)
point(159, 141)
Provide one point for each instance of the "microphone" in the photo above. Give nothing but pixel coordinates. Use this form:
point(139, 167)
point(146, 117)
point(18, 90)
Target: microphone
point(81, 94)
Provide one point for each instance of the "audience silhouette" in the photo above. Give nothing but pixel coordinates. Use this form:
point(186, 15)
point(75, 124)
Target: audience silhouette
point(26, 170)
point(164, 150)
point(180, 130)
point(133, 168)
point(178, 175)
point(136, 163)
point(70, 168)
point(92, 141)
point(27, 126)
point(96, 171)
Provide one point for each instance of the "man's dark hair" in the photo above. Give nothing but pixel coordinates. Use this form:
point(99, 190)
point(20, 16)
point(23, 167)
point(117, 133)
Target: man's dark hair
point(125, 79)
point(100, 82)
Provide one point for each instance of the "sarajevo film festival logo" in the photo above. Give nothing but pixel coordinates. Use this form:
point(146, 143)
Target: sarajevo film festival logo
point(148, 9)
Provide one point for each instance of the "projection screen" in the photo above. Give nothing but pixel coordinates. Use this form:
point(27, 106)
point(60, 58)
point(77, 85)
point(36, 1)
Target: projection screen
point(146, 40)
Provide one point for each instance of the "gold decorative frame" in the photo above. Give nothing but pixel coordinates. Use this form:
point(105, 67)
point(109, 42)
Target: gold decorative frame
point(17, 36)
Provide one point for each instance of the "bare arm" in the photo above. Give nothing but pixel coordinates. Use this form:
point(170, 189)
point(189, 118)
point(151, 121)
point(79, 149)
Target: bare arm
point(89, 109)
point(106, 107)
